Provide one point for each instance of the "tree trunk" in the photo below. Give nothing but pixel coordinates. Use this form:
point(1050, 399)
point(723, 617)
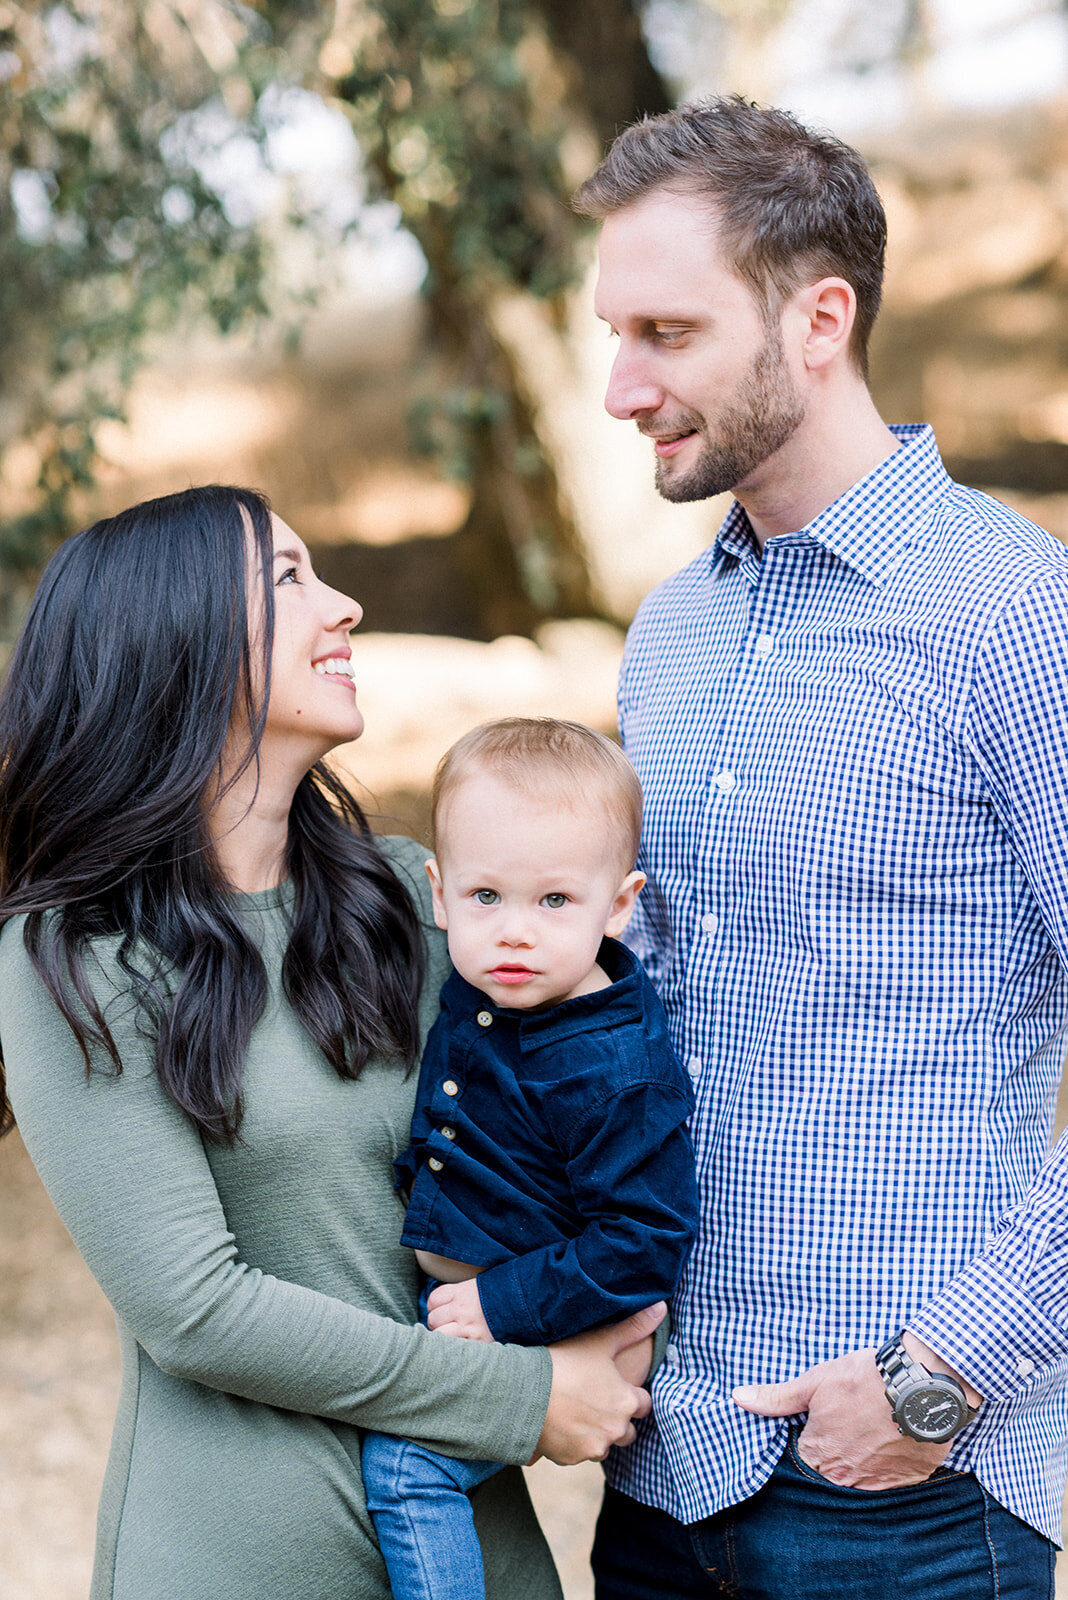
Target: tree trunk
point(603, 40)
point(520, 552)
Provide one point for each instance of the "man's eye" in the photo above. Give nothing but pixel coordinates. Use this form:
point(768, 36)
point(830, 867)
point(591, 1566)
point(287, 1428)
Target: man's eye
point(487, 897)
point(555, 901)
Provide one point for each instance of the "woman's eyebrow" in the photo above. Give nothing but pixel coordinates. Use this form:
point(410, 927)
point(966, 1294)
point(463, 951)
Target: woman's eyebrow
point(289, 555)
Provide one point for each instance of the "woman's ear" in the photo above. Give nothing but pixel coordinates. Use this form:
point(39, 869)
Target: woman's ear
point(433, 872)
point(623, 904)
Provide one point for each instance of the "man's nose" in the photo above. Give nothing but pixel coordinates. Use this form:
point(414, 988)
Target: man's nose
point(631, 392)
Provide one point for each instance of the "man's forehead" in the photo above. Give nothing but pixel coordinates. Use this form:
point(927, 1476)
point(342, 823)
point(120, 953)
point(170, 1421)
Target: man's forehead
point(658, 258)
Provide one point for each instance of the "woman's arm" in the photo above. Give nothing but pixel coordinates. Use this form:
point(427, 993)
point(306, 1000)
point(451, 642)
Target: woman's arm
point(128, 1174)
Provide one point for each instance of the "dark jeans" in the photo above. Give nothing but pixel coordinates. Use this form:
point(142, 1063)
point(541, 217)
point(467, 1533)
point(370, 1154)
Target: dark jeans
point(801, 1537)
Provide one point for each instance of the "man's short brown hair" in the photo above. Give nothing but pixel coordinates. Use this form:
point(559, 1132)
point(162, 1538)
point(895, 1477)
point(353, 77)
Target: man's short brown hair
point(543, 755)
point(793, 206)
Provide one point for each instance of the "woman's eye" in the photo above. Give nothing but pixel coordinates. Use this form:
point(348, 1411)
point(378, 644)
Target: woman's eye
point(290, 575)
point(487, 897)
point(555, 901)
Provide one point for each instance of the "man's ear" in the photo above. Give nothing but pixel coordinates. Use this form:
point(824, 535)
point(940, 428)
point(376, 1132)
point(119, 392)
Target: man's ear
point(623, 904)
point(827, 312)
point(433, 872)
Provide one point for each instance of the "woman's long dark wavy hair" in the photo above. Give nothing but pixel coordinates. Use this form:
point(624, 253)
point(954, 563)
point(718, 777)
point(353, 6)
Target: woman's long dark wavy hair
point(134, 664)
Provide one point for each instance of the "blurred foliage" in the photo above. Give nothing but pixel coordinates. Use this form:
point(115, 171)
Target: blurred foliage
point(114, 224)
point(109, 231)
point(472, 117)
point(119, 124)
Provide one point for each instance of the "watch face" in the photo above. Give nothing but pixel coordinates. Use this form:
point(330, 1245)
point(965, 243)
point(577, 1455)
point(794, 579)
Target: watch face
point(932, 1412)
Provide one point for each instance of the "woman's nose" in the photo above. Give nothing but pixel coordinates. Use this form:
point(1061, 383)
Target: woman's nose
point(346, 611)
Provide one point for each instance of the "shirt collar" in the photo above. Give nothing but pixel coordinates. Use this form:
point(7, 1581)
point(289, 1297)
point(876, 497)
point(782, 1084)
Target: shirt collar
point(620, 1003)
point(871, 526)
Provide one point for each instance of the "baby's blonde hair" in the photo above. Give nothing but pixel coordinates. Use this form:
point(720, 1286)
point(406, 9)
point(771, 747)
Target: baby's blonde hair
point(545, 755)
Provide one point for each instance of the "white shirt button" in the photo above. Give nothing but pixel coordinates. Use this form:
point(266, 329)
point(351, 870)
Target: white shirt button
point(726, 782)
point(710, 922)
point(485, 1019)
point(671, 1355)
point(450, 1088)
point(764, 646)
point(693, 1066)
point(1025, 1367)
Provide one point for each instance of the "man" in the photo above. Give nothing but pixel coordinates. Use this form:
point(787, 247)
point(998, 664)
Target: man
point(850, 718)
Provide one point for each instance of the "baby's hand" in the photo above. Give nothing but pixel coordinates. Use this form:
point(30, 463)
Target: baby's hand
point(455, 1308)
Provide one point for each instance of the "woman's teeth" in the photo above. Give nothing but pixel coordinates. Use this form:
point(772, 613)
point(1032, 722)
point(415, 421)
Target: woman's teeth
point(337, 664)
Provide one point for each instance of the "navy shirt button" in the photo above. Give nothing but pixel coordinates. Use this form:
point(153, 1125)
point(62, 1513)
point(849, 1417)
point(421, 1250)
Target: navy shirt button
point(434, 1164)
point(448, 1133)
point(449, 1087)
point(485, 1019)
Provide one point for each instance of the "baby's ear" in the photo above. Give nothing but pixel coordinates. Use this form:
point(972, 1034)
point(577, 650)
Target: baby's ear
point(433, 872)
point(623, 904)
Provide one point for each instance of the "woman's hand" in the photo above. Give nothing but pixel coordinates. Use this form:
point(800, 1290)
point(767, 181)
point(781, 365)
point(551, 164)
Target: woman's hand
point(591, 1405)
point(634, 1362)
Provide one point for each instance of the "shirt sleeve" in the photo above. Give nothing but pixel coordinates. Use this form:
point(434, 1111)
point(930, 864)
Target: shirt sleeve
point(1006, 1314)
point(630, 1168)
point(128, 1174)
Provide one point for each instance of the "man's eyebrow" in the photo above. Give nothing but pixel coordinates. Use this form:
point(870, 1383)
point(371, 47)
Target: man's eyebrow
point(649, 319)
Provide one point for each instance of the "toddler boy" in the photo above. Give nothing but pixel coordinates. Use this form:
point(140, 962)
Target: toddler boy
point(550, 1169)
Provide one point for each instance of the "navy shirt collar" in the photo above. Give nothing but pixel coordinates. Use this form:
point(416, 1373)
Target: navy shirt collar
point(620, 1003)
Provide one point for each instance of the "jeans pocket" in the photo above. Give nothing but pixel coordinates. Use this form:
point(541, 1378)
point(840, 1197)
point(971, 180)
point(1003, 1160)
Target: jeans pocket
point(940, 1476)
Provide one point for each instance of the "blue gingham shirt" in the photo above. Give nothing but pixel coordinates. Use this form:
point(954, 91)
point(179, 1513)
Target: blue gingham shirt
point(855, 755)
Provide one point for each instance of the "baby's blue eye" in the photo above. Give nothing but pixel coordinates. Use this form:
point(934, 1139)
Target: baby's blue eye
point(487, 897)
point(555, 901)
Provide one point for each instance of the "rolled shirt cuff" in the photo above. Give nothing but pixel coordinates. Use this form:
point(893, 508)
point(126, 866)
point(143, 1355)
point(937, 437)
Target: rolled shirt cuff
point(989, 1330)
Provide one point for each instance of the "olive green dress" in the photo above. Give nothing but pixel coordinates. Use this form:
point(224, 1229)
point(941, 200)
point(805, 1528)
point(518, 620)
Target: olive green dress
point(265, 1307)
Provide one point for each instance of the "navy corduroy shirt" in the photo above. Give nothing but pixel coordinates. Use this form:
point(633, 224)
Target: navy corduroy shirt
point(551, 1148)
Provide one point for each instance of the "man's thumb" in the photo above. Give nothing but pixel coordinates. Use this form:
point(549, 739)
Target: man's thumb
point(775, 1399)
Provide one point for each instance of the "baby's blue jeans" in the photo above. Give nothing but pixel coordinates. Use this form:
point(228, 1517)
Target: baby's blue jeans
point(422, 1516)
point(418, 1503)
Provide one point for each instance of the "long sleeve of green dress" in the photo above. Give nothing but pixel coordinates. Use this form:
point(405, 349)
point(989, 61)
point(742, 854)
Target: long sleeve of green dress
point(265, 1305)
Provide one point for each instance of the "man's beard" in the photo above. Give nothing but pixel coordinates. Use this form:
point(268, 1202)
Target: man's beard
point(766, 410)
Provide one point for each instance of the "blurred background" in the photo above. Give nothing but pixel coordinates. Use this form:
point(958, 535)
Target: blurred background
point(325, 250)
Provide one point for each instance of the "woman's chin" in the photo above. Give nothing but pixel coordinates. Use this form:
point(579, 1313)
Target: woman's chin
point(356, 731)
point(353, 732)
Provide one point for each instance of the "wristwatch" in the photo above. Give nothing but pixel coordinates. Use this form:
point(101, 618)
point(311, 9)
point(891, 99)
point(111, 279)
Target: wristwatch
point(926, 1405)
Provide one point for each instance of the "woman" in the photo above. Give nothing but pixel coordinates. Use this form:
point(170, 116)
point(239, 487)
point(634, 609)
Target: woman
point(212, 987)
